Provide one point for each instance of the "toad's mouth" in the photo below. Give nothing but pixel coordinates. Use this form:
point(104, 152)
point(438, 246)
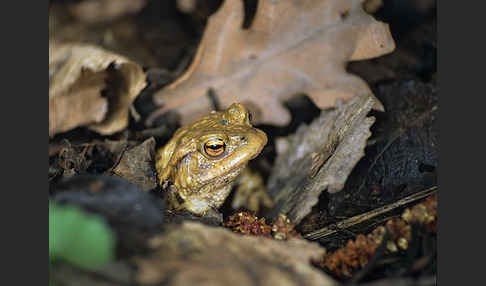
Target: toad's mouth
point(226, 178)
point(228, 173)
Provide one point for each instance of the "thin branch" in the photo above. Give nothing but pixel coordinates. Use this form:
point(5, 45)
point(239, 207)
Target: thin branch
point(352, 221)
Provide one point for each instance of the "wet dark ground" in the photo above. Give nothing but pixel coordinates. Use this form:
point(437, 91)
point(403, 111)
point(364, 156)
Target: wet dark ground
point(401, 157)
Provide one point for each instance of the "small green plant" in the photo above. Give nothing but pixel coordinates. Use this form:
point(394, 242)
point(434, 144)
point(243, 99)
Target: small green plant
point(79, 238)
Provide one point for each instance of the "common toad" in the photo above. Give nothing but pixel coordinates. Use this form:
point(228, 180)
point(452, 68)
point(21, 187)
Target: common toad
point(201, 162)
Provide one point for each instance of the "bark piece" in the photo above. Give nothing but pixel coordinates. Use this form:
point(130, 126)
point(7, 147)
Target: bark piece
point(136, 165)
point(318, 157)
point(195, 254)
point(291, 47)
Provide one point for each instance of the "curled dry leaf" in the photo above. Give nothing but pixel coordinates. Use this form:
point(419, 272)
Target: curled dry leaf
point(195, 254)
point(136, 165)
point(318, 157)
point(291, 47)
point(89, 86)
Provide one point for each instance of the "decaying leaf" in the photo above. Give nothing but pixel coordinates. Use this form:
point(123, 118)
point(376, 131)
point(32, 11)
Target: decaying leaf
point(136, 165)
point(81, 105)
point(89, 86)
point(291, 47)
point(195, 254)
point(319, 157)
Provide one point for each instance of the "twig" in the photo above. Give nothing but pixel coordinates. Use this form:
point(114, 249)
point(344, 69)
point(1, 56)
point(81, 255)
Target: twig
point(211, 94)
point(352, 221)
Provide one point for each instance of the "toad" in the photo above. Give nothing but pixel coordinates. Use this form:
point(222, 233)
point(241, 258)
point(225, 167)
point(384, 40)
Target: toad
point(202, 161)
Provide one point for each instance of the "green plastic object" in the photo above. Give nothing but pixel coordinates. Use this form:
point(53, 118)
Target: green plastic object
point(79, 238)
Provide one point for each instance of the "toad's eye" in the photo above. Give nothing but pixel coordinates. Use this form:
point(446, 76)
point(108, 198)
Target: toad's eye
point(214, 147)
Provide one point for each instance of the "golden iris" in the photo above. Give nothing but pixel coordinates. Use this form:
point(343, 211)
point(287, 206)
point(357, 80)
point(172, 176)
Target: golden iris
point(214, 147)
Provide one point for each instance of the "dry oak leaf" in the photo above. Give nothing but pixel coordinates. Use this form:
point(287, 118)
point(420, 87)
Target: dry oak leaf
point(196, 254)
point(78, 74)
point(291, 47)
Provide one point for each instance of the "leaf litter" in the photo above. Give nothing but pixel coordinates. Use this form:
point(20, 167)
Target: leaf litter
point(320, 155)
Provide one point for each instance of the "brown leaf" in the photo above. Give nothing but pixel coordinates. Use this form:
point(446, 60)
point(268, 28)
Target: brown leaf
point(83, 106)
point(291, 47)
point(195, 254)
point(77, 76)
point(318, 157)
point(136, 165)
